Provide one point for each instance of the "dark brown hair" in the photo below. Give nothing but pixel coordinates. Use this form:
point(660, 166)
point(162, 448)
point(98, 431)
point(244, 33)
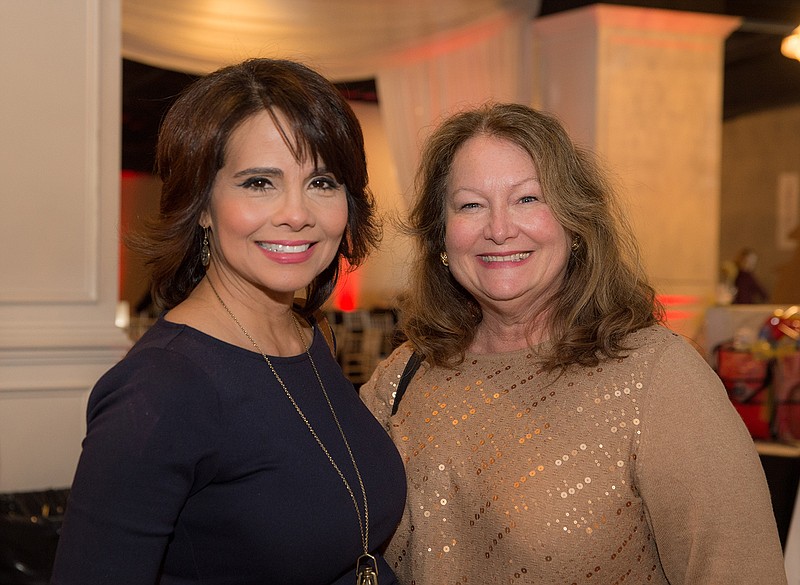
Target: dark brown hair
point(191, 150)
point(605, 294)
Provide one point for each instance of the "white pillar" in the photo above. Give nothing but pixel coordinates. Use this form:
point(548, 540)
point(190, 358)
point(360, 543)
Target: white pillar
point(643, 88)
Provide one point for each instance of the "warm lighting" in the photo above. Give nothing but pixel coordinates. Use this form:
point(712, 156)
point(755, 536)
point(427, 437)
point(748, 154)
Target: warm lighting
point(790, 46)
point(123, 316)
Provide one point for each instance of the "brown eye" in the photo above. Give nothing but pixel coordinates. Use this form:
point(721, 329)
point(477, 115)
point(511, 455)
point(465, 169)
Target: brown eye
point(324, 184)
point(258, 183)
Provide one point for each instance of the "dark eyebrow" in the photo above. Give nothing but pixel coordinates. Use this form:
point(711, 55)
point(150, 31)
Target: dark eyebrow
point(270, 171)
point(274, 172)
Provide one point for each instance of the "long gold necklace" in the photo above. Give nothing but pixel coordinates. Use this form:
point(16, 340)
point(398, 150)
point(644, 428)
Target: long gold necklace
point(366, 565)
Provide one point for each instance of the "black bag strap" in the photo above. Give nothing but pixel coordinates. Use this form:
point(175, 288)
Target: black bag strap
point(408, 374)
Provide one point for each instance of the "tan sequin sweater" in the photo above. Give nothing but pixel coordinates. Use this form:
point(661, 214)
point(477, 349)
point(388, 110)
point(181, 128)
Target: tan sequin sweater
point(637, 471)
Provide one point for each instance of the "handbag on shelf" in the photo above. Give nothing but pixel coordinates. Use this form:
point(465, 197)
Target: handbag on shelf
point(747, 379)
point(786, 384)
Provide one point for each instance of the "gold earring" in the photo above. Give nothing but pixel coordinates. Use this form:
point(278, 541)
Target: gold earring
point(205, 251)
point(445, 261)
point(576, 243)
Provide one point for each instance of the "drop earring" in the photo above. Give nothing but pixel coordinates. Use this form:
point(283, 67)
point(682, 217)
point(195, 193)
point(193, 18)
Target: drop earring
point(576, 243)
point(444, 259)
point(205, 251)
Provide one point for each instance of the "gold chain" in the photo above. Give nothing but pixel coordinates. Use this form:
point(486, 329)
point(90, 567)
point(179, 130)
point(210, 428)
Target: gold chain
point(363, 525)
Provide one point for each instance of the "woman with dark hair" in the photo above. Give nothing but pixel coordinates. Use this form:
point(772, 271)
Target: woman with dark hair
point(554, 432)
point(227, 446)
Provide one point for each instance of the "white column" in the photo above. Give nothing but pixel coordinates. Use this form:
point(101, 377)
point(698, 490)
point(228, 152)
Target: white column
point(643, 88)
point(59, 246)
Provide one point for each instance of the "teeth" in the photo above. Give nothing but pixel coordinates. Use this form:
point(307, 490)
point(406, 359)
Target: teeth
point(284, 249)
point(511, 258)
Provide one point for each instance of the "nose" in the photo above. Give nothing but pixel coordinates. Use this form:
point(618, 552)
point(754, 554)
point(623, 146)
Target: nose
point(293, 210)
point(500, 226)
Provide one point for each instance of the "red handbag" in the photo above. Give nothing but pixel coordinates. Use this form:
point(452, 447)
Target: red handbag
point(747, 379)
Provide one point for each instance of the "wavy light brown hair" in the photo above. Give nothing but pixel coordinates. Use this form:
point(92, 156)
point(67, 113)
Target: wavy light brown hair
point(192, 145)
point(605, 294)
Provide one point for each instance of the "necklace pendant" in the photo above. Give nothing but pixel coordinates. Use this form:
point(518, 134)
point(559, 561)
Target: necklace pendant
point(366, 570)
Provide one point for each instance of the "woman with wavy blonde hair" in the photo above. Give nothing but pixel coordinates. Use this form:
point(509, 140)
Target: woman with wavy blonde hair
point(556, 432)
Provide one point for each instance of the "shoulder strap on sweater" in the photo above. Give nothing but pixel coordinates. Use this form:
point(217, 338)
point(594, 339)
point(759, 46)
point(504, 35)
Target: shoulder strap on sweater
point(408, 374)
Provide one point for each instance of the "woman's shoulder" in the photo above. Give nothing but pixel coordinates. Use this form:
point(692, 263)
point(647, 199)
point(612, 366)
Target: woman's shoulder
point(658, 340)
point(169, 356)
point(672, 366)
point(180, 341)
point(396, 362)
point(661, 361)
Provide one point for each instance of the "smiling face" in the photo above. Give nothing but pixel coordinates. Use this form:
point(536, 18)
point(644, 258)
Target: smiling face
point(503, 243)
point(276, 223)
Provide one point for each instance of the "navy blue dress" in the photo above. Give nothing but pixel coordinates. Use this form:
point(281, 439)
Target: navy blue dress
point(196, 468)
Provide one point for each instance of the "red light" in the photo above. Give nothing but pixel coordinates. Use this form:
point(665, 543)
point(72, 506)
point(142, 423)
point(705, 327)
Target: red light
point(669, 300)
point(345, 297)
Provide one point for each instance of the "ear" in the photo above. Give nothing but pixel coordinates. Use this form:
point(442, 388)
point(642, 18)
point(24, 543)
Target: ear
point(205, 220)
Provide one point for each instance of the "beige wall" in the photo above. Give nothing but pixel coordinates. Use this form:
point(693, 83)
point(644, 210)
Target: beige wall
point(59, 213)
point(757, 151)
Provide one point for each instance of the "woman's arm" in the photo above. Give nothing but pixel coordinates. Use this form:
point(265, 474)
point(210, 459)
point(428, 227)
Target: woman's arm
point(701, 479)
point(152, 424)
